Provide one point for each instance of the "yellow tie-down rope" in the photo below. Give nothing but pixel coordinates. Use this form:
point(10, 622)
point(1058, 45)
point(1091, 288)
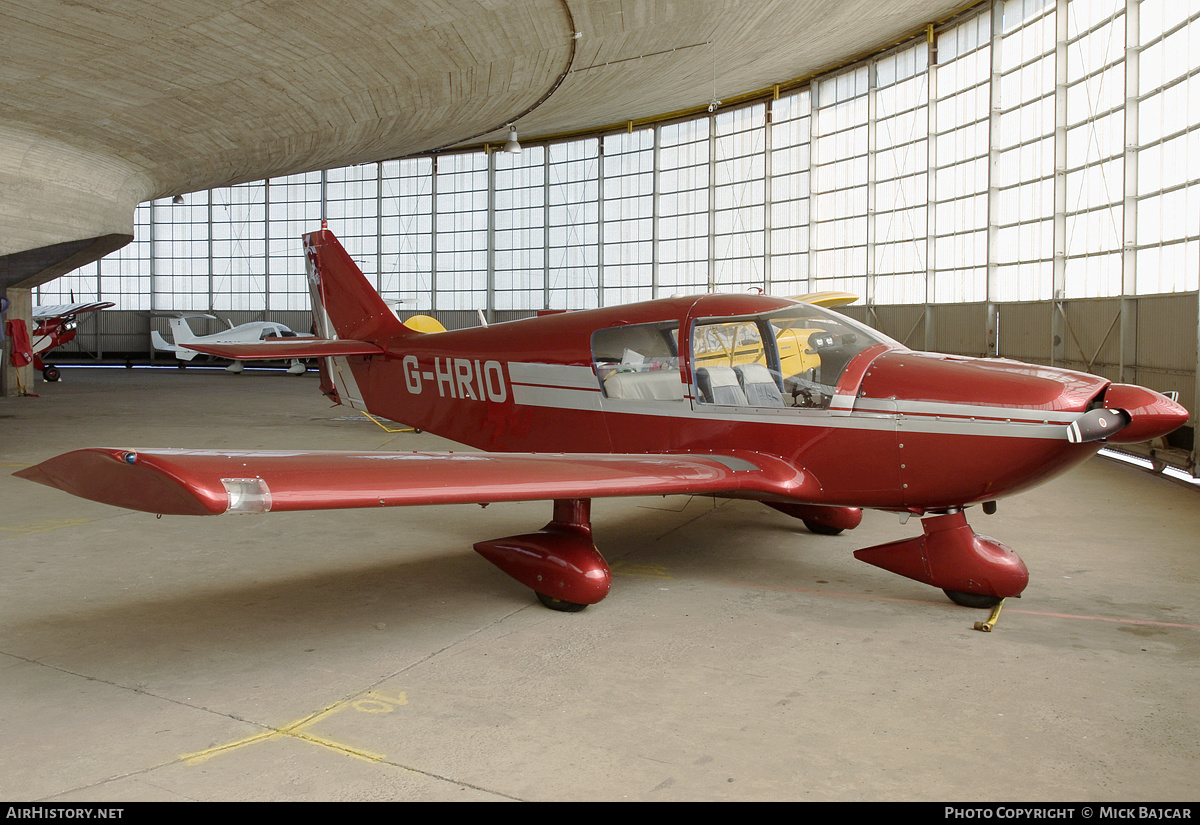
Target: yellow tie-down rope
point(987, 626)
point(388, 429)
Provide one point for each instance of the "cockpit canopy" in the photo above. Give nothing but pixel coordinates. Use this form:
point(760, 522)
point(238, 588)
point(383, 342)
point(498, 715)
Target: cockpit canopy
point(787, 357)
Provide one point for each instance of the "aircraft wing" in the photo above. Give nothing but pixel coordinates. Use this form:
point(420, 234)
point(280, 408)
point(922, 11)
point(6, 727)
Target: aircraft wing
point(280, 348)
point(66, 310)
point(827, 299)
point(203, 482)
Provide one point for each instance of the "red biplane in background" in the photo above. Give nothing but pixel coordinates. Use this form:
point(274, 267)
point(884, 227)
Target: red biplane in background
point(735, 396)
point(55, 326)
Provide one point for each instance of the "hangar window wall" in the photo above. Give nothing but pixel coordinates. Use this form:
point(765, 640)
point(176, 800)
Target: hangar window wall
point(293, 208)
point(683, 214)
point(573, 188)
point(1094, 126)
point(959, 160)
point(520, 237)
point(1023, 152)
point(627, 244)
point(460, 232)
point(1166, 195)
point(1029, 150)
point(790, 193)
point(238, 248)
point(405, 264)
point(839, 156)
point(899, 174)
point(739, 199)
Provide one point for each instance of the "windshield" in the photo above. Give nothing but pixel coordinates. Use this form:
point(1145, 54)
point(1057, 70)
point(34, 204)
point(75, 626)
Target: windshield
point(789, 358)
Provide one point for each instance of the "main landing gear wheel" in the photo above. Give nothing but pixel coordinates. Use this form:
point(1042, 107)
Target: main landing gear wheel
point(559, 604)
point(973, 599)
point(51, 374)
point(822, 529)
point(560, 558)
point(820, 519)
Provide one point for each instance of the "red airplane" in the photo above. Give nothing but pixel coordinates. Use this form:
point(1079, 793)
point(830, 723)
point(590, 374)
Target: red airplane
point(55, 326)
point(733, 396)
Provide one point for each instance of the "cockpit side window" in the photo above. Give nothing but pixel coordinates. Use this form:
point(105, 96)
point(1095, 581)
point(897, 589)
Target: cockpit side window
point(638, 361)
point(791, 358)
point(726, 354)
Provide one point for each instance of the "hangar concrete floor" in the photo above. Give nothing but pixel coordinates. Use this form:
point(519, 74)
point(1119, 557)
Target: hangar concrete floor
point(374, 656)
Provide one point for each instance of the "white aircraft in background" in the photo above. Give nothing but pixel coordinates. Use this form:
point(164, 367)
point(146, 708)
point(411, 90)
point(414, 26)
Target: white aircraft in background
point(253, 331)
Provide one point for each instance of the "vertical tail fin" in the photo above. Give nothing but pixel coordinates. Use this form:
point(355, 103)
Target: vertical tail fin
point(181, 333)
point(345, 305)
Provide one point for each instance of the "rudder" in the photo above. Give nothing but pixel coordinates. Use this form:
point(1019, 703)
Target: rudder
point(345, 305)
point(181, 332)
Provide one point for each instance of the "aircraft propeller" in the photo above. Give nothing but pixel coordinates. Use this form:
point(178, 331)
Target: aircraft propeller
point(1096, 424)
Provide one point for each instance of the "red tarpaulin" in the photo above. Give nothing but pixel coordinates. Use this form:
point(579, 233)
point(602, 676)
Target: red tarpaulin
point(22, 350)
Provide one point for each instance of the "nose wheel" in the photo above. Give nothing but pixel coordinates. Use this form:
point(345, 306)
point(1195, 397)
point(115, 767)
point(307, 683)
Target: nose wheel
point(973, 599)
point(559, 604)
point(824, 521)
point(973, 570)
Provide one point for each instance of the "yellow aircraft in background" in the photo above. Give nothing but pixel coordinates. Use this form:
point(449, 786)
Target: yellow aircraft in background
point(738, 343)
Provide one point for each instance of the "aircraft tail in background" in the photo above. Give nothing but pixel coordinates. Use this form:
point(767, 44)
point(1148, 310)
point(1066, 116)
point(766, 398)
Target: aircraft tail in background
point(349, 319)
point(181, 333)
point(349, 316)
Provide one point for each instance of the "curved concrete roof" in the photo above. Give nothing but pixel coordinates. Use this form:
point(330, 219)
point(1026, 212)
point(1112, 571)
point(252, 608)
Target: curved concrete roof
point(110, 104)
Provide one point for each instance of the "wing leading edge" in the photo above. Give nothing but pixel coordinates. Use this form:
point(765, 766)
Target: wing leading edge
point(46, 313)
point(195, 482)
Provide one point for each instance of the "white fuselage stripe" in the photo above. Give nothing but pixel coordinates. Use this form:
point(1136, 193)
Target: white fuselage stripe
point(944, 409)
point(564, 387)
point(553, 375)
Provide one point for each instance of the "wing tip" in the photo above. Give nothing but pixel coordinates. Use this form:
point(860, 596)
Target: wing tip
point(116, 477)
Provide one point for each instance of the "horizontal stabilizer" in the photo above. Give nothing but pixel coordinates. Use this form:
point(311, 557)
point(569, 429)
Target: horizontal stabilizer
point(287, 348)
point(161, 343)
point(201, 482)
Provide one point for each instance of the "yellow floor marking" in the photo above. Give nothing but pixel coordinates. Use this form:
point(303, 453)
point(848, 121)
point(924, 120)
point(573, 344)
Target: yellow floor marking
point(43, 526)
point(371, 703)
point(639, 570)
